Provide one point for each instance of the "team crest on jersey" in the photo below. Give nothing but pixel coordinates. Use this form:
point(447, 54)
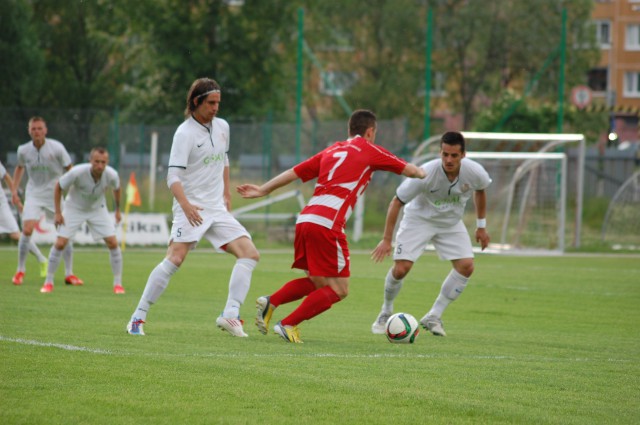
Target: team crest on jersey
point(465, 188)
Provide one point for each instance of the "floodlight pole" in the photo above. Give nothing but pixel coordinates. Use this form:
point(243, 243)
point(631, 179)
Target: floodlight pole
point(563, 59)
point(427, 77)
point(299, 82)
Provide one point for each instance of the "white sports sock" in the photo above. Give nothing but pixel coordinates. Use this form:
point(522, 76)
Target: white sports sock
point(451, 289)
point(23, 250)
point(54, 262)
point(33, 248)
point(115, 256)
point(67, 255)
point(239, 284)
point(156, 284)
point(392, 288)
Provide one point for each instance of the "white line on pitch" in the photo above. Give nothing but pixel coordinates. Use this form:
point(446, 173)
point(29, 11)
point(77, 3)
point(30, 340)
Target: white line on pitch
point(69, 347)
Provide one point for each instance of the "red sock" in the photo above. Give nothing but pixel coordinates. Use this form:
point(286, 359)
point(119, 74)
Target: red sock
point(316, 302)
point(292, 291)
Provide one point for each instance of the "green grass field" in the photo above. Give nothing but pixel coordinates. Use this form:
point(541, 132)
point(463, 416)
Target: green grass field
point(537, 340)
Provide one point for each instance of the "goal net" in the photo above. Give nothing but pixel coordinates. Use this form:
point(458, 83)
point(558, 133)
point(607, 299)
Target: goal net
point(527, 202)
point(621, 227)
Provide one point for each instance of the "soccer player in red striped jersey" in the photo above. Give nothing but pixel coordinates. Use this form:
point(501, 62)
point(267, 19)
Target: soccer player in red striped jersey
point(343, 170)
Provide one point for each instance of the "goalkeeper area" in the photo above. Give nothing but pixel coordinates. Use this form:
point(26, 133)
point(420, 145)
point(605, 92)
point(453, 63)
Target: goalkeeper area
point(529, 200)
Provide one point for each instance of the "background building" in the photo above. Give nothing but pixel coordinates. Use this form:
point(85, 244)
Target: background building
point(616, 80)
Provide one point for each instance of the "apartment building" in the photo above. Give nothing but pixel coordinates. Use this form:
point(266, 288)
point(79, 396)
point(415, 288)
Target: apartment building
point(615, 82)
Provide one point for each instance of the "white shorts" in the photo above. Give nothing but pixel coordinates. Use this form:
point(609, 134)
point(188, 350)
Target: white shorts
point(99, 222)
point(8, 223)
point(451, 243)
point(35, 208)
point(218, 227)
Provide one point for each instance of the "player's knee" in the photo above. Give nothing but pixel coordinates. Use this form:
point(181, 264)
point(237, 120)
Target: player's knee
point(401, 269)
point(176, 258)
point(61, 243)
point(465, 268)
point(111, 243)
point(341, 291)
point(253, 254)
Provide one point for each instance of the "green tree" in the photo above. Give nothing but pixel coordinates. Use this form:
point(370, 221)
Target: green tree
point(82, 44)
point(511, 112)
point(487, 47)
point(482, 49)
point(247, 49)
point(381, 45)
point(22, 61)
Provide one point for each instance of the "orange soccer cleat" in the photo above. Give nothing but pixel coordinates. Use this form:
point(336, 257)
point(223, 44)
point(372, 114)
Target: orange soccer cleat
point(18, 278)
point(73, 280)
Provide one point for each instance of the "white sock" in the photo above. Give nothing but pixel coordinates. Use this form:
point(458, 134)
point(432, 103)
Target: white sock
point(67, 255)
point(156, 284)
point(33, 248)
point(239, 284)
point(451, 289)
point(392, 288)
point(23, 250)
point(54, 262)
point(115, 256)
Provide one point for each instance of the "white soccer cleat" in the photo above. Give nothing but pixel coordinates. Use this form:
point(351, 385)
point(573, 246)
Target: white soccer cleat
point(233, 326)
point(433, 324)
point(379, 326)
point(134, 327)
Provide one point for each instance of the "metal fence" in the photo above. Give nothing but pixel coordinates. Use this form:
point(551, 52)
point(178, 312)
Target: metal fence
point(258, 149)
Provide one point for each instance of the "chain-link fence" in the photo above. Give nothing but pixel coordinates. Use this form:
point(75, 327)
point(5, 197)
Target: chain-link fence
point(258, 149)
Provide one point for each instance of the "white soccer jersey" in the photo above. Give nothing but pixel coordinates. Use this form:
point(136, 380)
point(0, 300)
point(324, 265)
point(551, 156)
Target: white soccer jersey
point(43, 166)
point(201, 150)
point(84, 193)
point(8, 222)
point(3, 172)
point(438, 200)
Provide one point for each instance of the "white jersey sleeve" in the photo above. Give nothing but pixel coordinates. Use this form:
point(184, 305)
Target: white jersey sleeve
point(180, 150)
point(478, 177)
point(3, 171)
point(410, 188)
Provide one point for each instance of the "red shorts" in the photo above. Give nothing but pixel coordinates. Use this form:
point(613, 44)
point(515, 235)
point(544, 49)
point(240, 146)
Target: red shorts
point(321, 251)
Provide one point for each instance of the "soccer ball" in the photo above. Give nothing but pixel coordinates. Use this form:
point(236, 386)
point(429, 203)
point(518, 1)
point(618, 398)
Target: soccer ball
point(402, 328)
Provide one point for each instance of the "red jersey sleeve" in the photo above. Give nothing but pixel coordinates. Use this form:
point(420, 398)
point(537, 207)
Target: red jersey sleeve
point(382, 159)
point(309, 169)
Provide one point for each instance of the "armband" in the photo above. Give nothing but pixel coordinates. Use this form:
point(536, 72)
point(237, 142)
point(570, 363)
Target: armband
point(481, 223)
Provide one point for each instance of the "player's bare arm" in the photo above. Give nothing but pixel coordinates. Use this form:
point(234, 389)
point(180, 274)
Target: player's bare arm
point(57, 199)
point(480, 201)
point(255, 191)
point(116, 204)
point(17, 178)
point(384, 246)
point(413, 171)
point(227, 188)
point(190, 211)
